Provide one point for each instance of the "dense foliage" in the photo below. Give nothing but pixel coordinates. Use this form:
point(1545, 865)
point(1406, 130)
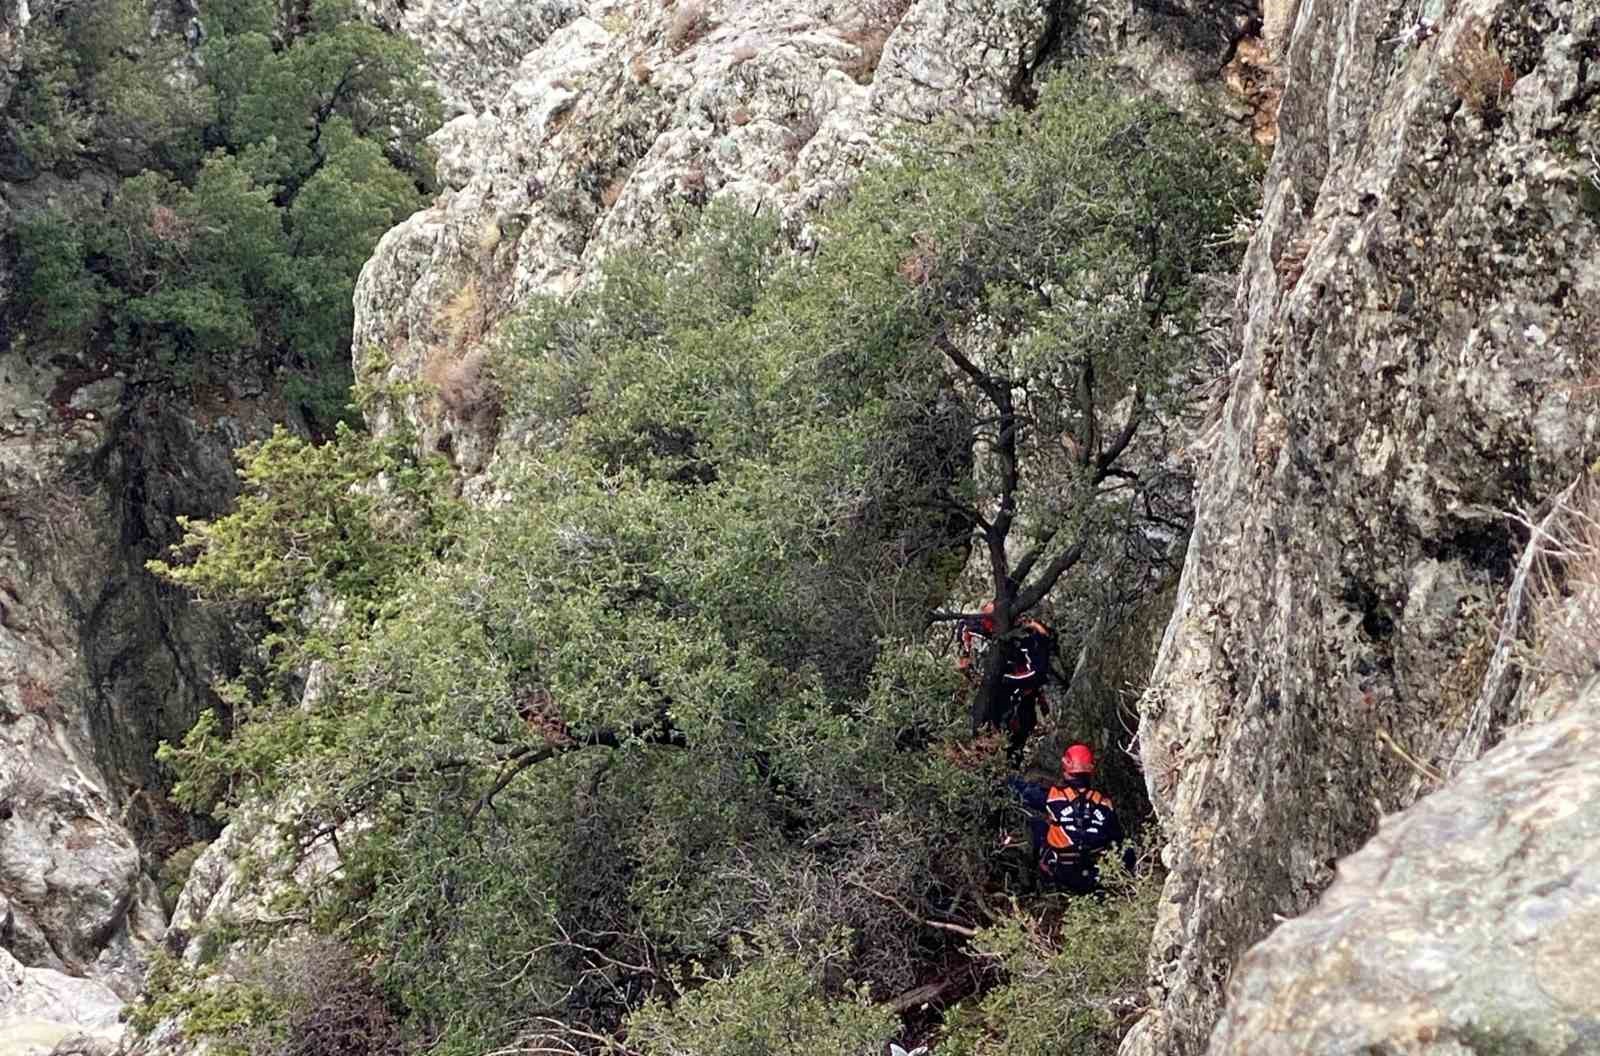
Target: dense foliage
point(224, 190)
point(651, 751)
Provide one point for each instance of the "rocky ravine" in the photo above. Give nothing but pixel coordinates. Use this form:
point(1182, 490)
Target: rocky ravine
point(1413, 316)
point(579, 127)
point(98, 662)
point(1418, 316)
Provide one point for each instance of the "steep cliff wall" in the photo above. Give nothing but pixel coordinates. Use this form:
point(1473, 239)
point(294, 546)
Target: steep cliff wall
point(1418, 319)
point(1465, 925)
point(98, 662)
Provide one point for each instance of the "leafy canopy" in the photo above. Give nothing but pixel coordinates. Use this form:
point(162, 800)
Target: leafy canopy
point(670, 689)
point(259, 172)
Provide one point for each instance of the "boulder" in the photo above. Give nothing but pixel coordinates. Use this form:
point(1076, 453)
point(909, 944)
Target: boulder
point(41, 1008)
point(1467, 924)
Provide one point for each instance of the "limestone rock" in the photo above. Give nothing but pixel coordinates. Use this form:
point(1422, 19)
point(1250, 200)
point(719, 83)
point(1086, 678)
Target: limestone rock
point(41, 1008)
point(1466, 925)
point(1414, 314)
point(470, 45)
point(221, 891)
point(69, 872)
point(631, 111)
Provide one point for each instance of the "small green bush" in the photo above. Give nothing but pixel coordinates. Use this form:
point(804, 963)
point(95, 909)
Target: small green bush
point(175, 873)
point(302, 996)
point(775, 1005)
point(1070, 980)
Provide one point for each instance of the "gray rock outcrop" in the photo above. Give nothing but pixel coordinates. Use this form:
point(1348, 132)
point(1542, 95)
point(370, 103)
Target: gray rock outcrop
point(1416, 315)
point(620, 116)
point(1468, 924)
point(629, 112)
point(98, 662)
point(471, 45)
point(70, 873)
point(40, 1008)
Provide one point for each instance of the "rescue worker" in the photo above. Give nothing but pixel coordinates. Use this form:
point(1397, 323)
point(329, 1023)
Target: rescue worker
point(1072, 824)
point(1025, 668)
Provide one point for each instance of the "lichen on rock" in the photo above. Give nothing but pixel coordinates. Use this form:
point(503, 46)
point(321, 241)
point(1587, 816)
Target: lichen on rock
point(1465, 924)
point(1416, 323)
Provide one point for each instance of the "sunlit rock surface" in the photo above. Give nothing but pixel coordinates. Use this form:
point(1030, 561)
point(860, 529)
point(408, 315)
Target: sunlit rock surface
point(1417, 320)
point(1468, 924)
point(40, 1008)
point(629, 113)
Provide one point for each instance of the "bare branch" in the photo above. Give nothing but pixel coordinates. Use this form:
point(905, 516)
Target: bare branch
point(1034, 592)
point(1104, 462)
point(942, 925)
point(526, 756)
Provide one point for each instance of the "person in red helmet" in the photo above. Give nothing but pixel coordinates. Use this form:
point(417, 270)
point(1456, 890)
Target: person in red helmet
point(1025, 668)
point(1072, 823)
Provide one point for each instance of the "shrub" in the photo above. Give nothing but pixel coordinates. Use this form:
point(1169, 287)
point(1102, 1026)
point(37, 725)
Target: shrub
point(775, 1005)
point(1073, 981)
point(1475, 71)
point(302, 996)
point(333, 1007)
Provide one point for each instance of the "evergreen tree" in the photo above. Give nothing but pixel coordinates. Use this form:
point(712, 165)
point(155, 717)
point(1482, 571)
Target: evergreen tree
point(653, 746)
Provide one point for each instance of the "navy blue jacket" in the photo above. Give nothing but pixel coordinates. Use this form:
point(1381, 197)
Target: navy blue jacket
point(1071, 826)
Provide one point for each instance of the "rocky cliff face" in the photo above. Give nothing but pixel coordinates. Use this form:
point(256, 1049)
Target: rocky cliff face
point(98, 662)
point(1465, 925)
point(1417, 319)
point(623, 113)
point(627, 112)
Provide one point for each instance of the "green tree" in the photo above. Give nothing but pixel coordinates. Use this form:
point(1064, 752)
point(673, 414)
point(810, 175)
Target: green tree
point(243, 257)
point(336, 67)
point(1060, 279)
point(1065, 979)
point(669, 688)
point(94, 87)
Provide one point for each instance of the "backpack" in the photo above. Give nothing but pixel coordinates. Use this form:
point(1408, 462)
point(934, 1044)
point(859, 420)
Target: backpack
point(1038, 645)
point(1079, 826)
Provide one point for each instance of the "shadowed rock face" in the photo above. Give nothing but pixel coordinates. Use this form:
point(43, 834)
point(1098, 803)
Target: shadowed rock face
point(98, 662)
point(1468, 922)
point(1417, 319)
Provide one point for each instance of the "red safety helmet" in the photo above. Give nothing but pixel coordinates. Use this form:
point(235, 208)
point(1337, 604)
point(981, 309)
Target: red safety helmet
point(1077, 759)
